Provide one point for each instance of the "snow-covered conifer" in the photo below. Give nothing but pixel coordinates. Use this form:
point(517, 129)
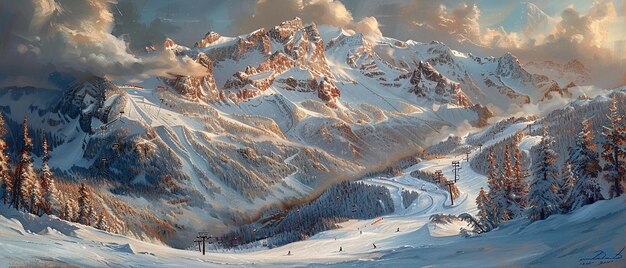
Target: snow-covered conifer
point(520, 188)
point(614, 150)
point(585, 166)
point(84, 204)
point(497, 191)
point(50, 202)
point(102, 223)
point(25, 176)
point(566, 185)
point(69, 212)
point(6, 182)
point(485, 211)
point(543, 200)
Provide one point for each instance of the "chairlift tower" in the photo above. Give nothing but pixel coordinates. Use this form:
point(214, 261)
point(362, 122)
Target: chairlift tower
point(450, 183)
point(203, 236)
point(439, 175)
point(456, 165)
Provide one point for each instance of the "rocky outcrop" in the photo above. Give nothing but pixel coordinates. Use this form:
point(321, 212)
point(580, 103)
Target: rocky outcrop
point(209, 38)
point(197, 87)
point(93, 98)
point(428, 83)
point(327, 91)
point(255, 41)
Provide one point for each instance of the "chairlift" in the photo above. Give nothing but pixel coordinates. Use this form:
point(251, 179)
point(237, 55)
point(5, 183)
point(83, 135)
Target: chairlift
point(115, 146)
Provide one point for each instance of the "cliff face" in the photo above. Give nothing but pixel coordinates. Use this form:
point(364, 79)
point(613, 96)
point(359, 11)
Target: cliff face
point(95, 98)
point(193, 87)
point(288, 46)
point(430, 84)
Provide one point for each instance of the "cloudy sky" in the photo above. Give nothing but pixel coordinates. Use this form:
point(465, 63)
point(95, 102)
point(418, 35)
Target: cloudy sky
point(231, 17)
point(84, 34)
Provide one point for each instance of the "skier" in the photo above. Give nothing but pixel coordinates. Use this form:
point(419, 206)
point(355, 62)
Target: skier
point(289, 253)
point(374, 245)
point(397, 231)
point(340, 249)
point(360, 232)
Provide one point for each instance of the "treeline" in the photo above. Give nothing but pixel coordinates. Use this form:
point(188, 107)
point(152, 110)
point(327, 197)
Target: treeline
point(339, 203)
point(408, 197)
point(554, 190)
point(439, 180)
point(35, 191)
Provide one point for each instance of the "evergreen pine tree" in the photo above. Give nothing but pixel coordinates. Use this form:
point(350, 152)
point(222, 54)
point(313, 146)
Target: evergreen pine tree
point(84, 204)
point(614, 150)
point(25, 176)
point(485, 210)
point(66, 212)
point(520, 188)
point(566, 185)
point(514, 206)
point(6, 182)
point(93, 217)
point(496, 191)
point(542, 197)
point(508, 170)
point(102, 223)
point(36, 199)
point(585, 166)
point(69, 210)
point(50, 205)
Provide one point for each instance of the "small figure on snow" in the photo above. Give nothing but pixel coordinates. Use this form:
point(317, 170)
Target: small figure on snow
point(360, 232)
point(374, 245)
point(397, 231)
point(340, 249)
point(289, 253)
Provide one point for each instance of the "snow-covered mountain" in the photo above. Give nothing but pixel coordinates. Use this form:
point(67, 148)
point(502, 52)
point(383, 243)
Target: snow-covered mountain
point(406, 234)
point(279, 114)
point(571, 72)
point(528, 19)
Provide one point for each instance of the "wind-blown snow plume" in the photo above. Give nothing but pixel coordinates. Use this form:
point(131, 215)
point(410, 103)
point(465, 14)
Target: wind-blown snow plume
point(45, 35)
point(268, 13)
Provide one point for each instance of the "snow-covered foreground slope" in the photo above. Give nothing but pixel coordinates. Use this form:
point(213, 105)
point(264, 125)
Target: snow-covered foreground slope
point(561, 239)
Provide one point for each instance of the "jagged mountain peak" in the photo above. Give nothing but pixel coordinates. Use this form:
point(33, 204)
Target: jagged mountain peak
point(509, 66)
point(209, 38)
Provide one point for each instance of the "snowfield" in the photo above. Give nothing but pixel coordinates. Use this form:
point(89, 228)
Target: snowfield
point(561, 239)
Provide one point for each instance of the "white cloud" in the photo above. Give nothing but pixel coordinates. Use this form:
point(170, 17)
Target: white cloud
point(269, 13)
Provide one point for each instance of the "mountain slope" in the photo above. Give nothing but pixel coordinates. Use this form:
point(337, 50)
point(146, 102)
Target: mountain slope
point(278, 115)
